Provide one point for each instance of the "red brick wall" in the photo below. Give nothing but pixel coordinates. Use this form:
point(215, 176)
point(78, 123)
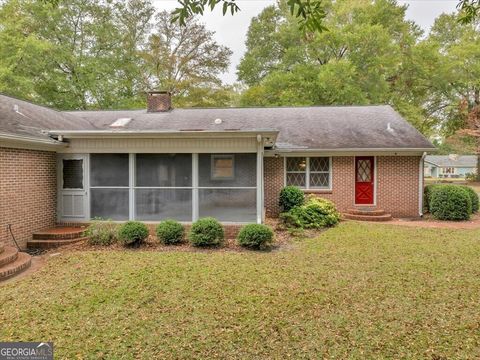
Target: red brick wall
point(27, 193)
point(397, 184)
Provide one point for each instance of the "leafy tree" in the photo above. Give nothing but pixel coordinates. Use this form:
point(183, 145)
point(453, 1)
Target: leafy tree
point(370, 55)
point(83, 54)
point(186, 61)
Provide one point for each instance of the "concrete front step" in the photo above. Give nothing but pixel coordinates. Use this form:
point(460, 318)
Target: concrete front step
point(8, 255)
point(52, 243)
point(22, 262)
point(368, 212)
point(60, 233)
point(384, 217)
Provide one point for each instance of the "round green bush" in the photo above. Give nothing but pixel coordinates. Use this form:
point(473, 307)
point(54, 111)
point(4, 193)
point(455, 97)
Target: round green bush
point(206, 232)
point(291, 196)
point(255, 236)
point(473, 196)
point(316, 213)
point(170, 232)
point(132, 232)
point(450, 202)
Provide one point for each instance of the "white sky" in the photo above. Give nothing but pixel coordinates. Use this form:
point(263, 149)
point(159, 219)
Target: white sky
point(231, 30)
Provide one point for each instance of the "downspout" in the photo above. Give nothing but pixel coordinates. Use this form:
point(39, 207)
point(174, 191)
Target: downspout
point(420, 185)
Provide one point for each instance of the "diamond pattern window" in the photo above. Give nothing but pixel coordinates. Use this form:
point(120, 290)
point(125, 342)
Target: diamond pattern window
point(364, 171)
point(308, 172)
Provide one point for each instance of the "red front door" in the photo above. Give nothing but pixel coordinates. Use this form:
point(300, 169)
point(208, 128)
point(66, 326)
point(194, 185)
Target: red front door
point(364, 180)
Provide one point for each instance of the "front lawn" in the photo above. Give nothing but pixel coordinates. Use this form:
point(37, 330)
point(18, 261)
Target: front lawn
point(357, 291)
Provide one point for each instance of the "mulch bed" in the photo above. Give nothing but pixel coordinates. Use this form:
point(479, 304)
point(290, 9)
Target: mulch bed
point(284, 240)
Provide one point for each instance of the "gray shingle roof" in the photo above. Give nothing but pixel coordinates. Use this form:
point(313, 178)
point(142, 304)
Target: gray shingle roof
point(22, 118)
point(323, 127)
point(452, 160)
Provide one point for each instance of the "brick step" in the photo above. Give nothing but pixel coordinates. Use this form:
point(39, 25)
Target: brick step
point(384, 217)
point(59, 233)
point(368, 212)
point(52, 243)
point(22, 262)
point(8, 255)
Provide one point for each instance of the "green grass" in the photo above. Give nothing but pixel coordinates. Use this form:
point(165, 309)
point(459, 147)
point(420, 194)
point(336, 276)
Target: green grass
point(358, 291)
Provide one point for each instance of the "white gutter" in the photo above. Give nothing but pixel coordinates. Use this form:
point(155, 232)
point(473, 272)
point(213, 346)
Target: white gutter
point(420, 185)
point(31, 140)
point(161, 133)
point(300, 150)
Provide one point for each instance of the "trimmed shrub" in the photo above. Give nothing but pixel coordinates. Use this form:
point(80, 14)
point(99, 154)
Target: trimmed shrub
point(132, 232)
point(473, 196)
point(102, 232)
point(206, 232)
point(450, 202)
point(255, 236)
point(316, 213)
point(170, 232)
point(291, 196)
point(427, 194)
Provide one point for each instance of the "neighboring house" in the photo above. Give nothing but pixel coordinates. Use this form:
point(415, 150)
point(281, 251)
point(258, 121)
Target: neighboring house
point(450, 166)
point(231, 163)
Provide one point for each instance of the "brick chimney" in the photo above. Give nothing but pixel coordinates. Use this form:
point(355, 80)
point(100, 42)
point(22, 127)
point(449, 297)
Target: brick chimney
point(159, 101)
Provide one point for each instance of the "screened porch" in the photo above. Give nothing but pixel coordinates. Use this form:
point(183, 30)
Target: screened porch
point(154, 187)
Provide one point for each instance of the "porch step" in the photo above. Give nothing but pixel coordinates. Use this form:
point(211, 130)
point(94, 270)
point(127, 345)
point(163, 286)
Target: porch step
point(8, 255)
point(53, 243)
point(60, 233)
point(381, 217)
point(22, 262)
point(368, 212)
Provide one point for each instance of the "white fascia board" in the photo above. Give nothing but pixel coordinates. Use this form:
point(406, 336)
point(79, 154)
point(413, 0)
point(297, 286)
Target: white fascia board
point(348, 152)
point(30, 143)
point(163, 134)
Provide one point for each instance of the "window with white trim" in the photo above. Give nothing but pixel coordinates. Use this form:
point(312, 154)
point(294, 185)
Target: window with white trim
point(308, 172)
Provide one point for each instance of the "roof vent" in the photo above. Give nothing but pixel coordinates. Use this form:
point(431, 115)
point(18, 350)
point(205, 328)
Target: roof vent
point(15, 108)
point(121, 122)
point(218, 121)
point(389, 128)
point(453, 157)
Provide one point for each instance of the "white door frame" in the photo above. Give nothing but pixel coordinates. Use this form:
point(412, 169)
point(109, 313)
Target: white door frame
point(74, 192)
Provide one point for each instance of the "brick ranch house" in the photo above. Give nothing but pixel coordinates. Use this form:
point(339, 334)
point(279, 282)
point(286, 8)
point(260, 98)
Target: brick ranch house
point(231, 163)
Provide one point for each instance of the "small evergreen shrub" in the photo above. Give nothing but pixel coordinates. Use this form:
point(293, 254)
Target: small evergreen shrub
point(170, 232)
point(132, 232)
point(291, 196)
point(316, 213)
point(473, 196)
point(450, 202)
point(102, 232)
point(255, 236)
point(206, 232)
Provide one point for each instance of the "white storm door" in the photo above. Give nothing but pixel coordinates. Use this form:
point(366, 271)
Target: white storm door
point(72, 181)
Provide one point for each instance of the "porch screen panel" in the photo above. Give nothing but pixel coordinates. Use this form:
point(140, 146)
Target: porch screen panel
point(109, 186)
point(109, 203)
point(232, 205)
point(163, 187)
point(158, 204)
point(163, 170)
point(227, 187)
